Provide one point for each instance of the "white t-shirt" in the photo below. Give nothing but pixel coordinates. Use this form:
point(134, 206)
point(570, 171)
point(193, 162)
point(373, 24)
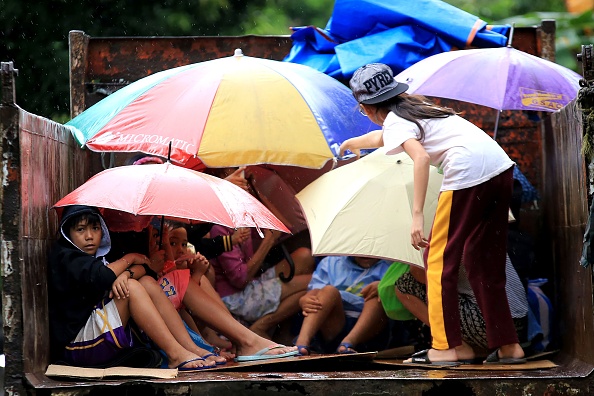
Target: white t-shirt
point(464, 152)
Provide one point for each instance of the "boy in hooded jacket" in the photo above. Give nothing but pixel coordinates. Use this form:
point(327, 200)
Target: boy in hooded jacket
point(92, 301)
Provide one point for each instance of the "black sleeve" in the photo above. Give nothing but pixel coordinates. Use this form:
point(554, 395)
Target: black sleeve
point(208, 247)
point(123, 243)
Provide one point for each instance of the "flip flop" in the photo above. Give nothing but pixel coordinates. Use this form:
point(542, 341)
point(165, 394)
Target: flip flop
point(307, 349)
point(494, 358)
point(215, 355)
point(422, 357)
point(475, 360)
point(348, 348)
point(181, 368)
point(261, 354)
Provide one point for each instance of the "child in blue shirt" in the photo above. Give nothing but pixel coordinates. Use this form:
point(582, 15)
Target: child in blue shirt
point(341, 305)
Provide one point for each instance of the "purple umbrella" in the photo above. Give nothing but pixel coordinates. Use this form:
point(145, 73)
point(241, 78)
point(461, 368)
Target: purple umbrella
point(502, 78)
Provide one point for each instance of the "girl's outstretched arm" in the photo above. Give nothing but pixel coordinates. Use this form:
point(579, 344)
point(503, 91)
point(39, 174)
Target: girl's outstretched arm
point(370, 140)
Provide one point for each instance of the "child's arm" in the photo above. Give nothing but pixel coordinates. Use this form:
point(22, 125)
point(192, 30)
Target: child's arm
point(310, 303)
point(370, 291)
point(131, 266)
point(197, 264)
point(373, 139)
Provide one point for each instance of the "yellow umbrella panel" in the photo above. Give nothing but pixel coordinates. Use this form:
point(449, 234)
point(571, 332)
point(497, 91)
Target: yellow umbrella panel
point(365, 208)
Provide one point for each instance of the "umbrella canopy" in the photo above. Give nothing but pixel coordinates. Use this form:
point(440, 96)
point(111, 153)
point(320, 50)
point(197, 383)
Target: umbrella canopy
point(365, 208)
point(502, 78)
point(173, 191)
point(230, 111)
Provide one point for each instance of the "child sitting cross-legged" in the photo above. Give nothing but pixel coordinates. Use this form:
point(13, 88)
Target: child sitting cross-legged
point(341, 308)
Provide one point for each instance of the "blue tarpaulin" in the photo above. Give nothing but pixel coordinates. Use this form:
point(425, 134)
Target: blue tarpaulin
point(398, 33)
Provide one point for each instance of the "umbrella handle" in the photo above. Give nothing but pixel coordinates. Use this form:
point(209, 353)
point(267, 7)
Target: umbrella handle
point(289, 259)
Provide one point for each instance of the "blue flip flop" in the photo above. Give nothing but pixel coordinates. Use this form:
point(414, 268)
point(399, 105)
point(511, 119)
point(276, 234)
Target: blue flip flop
point(348, 348)
point(306, 347)
point(181, 368)
point(215, 355)
point(261, 354)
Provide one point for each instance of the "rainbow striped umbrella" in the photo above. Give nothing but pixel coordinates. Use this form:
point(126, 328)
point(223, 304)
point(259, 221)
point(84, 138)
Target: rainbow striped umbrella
point(231, 111)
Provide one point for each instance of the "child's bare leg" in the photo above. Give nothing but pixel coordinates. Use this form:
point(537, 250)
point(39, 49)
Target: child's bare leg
point(171, 317)
point(371, 322)
point(329, 320)
point(207, 310)
point(148, 318)
point(207, 287)
point(304, 263)
point(209, 334)
point(287, 308)
point(414, 305)
point(291, 292)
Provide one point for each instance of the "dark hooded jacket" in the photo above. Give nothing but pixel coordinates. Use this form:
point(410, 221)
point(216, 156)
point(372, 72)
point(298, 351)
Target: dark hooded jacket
point(77, 281)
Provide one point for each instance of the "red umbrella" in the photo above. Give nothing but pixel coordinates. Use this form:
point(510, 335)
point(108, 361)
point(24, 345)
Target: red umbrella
point(175, 192)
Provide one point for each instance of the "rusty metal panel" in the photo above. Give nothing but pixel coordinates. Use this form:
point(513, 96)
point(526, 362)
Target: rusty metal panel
point(99, 66)
point(78, 45)
point(40, 165)
point(10, 217)
point(566, 213)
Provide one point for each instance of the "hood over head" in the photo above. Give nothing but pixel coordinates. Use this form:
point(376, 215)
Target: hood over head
point(75, 210)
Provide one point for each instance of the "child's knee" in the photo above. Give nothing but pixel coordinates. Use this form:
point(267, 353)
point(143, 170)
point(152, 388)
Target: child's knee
point(330, 291)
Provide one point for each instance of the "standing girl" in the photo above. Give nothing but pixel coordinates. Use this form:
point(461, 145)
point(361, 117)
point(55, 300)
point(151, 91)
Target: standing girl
point(470, 224)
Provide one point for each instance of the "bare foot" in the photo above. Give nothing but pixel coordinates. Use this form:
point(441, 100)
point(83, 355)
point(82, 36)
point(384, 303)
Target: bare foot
point(465, 352)
point(227, 355)
point(213, 339)
point(303, 345)
point(510, 351)
point(191, 361)
point(303, 350)
point(260, 343)
point(214, 359)
point(345, 349)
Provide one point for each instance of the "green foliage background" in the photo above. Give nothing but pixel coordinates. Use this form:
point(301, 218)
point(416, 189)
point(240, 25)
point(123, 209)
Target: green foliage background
point(34, 33)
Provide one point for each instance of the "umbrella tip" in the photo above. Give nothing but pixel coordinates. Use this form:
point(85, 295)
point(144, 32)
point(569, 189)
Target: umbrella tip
point(238, 52)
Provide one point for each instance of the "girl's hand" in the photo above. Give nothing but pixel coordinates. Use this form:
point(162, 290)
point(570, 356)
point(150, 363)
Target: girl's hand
point(240, 235)
point(238, 178)
point(417, 239)
point(348, 145)
point(271, 235)
point(119, 289)
point(199, 265)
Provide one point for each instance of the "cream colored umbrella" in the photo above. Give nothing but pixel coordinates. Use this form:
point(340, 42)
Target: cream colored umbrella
point(365, 208)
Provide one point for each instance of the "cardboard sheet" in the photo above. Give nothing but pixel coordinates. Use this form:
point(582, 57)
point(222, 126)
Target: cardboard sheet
point(530, 365)
point(55, 370)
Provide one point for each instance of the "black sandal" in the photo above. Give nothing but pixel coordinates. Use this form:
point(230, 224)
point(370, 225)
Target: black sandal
point(422, 357)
